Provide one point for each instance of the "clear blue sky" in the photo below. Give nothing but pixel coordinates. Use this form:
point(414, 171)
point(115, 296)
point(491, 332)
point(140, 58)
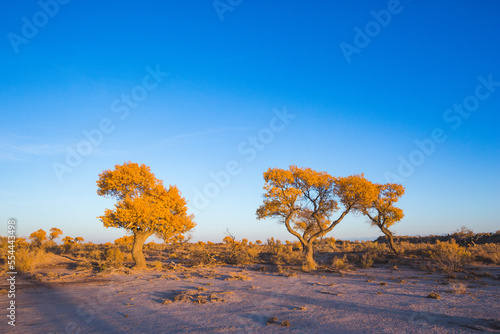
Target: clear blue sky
point(362, 84)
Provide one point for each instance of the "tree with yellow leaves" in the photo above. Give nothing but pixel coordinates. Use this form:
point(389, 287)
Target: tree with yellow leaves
point(144, 206)
point(305, 200)
point(383, 213)
point(55, 233)
point(38, 238)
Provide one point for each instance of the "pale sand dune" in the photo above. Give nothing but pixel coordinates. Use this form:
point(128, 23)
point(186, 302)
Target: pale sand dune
point(353, 303)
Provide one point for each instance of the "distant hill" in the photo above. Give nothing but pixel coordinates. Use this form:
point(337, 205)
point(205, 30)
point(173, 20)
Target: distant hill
point(462, 239)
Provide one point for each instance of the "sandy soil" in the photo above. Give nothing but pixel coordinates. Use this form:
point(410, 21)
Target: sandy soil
point(228, 299)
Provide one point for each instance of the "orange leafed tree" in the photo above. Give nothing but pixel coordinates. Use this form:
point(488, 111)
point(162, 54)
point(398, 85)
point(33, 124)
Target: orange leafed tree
point(144, 206)
point(383, 213)
point(38, 238)
point(55, 233)
point(305, 200)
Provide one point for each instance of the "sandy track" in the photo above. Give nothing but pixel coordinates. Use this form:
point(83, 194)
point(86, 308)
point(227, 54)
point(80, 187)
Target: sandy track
point(375, 300)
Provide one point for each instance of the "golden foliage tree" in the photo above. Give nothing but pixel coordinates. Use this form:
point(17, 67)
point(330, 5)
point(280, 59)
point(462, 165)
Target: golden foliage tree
point(304, 200)
point(383, 213)
point(38, 238)
point(68, 240)
point(55, 233)
point(144, 206)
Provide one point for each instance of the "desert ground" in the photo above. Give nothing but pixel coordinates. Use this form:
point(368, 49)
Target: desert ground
point(390, 297)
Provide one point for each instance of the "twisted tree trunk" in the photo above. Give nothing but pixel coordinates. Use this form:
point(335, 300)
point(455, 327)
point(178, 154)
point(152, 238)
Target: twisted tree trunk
point(309, 262)
point(389, 236)
point(137, 254)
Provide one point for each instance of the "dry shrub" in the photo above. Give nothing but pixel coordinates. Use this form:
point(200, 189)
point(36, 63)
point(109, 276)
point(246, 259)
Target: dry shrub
point(449, 256)
point(114, 257)
point(281, 254)
point(375, 248)
point(458, 288)
point(415, 249)
point(95, 255)
point(239, 252)
point(28, 260)
point(201, 254)
point(346, 247)
point(325, 245)
point(486, 253)
point(367, 261)
point(158, 265)
point(434, 295)
point(154, 246)
point(237, 277)
point(340, 263)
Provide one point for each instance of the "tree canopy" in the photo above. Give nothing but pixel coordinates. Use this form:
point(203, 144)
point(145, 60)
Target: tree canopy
point(144, 206)
point(305, 201)
point(382, 212)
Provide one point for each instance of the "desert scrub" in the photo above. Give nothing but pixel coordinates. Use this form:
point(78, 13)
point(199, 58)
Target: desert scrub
point(374, 248)
point(486, 253)
point(367, 261)
point(158, 265)
point(114, 257)
point(434, 295)
point(449, 256)
point(27, 260)
point(202, 254)
point(239, 252)
point(281, 254)
point(340, 263)
point(325, 245)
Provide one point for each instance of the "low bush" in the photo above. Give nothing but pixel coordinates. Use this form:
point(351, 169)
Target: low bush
point(486, 253)
point(449, 256)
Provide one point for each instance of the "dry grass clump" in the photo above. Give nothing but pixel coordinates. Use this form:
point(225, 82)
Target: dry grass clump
point(434, 295)
point(274, 320)
point(415, 249)
point(27, 260)
point(158, 265)
point(115, 257)
point(239, 251)
point(458, 288)
point(326, 245)
point(198, 296)
point(202, 254)
point(27, 257)
point(341, 263)
point(486, 253)
point(237, 277)
point(367, 261)
point(280, 253)
point(449, 256)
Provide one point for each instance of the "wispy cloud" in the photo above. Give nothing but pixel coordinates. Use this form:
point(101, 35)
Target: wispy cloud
point(26, 152)
point(174, 139)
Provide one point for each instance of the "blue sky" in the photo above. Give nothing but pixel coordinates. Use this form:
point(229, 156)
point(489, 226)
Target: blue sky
point(191, 89)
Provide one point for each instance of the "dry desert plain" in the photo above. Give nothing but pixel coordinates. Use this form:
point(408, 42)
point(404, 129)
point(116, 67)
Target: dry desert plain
point(386, 298)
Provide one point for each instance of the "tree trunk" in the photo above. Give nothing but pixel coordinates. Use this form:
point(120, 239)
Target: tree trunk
point(137, 254)
point(309, 263)
point(391, 241)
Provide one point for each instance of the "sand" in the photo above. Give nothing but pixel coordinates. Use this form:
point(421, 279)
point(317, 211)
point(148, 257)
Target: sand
point(382, 299)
